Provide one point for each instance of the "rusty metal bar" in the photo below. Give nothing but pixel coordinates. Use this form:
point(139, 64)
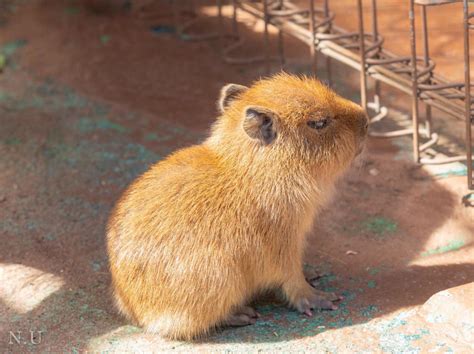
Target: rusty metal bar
point(235, 25)
point(375, 31)
point(312, 28)
point(414, 82)
point(326, 14)
point(426, 59)
point(281, 52)
point(363, 76)
point(266, 40)
point(221, 24)
point(467, 90)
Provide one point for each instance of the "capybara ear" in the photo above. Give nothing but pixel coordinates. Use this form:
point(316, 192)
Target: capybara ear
point(259, 123)
point(228, 94)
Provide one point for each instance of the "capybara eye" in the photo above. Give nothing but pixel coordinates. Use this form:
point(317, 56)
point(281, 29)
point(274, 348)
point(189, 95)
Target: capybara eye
point(318, 124)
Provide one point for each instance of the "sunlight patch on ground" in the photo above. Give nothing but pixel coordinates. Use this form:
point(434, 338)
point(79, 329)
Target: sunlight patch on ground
point(23, 288)
point(127, 338)
point(130, 339)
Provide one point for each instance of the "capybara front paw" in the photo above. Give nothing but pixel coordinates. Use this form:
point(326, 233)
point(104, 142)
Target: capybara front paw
point(316, 300)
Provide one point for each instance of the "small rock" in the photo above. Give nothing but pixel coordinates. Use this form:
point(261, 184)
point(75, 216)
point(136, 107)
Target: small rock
point(351, 252)
point(374, 172)
point(2, 198)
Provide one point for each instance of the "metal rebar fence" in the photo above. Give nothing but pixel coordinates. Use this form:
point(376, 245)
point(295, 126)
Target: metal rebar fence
point(364, 51)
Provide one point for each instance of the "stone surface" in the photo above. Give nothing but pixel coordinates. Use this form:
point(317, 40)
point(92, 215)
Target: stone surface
point(451, 313)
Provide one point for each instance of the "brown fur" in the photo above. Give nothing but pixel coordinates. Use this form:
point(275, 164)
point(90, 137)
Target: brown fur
point(201, 232)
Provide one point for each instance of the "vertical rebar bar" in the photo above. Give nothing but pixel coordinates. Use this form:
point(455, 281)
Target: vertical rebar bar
point(363, 77)
point(326, 8)
point(235, 25)
point(467, 89)
point(426, 58)
point(281, 51)
point(414, 80)
point(312, 29)
point(266, 37)
point(328, 58)
point(221, 25)
point(375, 31)
point(375, 27)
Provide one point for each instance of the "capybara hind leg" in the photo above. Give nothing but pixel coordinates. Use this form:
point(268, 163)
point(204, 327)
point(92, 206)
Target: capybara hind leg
point(239, 320)
point(244, 316)
point(249, 311)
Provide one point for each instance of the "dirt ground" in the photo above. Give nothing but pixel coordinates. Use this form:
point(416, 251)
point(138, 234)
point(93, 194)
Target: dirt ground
point(90, 97)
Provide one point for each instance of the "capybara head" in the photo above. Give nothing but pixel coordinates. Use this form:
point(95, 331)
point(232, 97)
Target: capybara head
point(290, 120)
